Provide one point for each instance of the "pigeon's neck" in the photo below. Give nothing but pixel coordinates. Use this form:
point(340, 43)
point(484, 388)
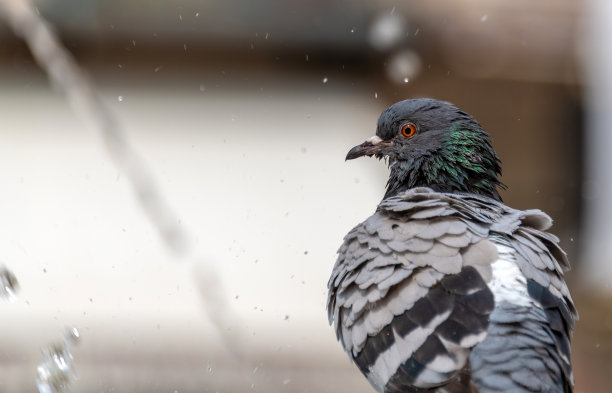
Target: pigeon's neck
point(465, 162)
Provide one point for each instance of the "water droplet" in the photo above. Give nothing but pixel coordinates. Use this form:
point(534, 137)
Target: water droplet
point(352, 30)
point(267, 36)
point(120, 98)
point(8, 284)
point(180, 17)
point(133, 42)
point(386, 31)
point(72, 335)
point(484, 17)
point(185, 47)
point(158, 68)
point(197, 14)
point(404, 66)
point(286, 381)
point(325, 80)
point(417, 31)
point(306, 57)
point(56, 372)
point(375, 95)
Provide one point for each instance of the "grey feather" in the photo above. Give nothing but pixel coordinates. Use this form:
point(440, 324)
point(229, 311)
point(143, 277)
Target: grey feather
point(414, 244)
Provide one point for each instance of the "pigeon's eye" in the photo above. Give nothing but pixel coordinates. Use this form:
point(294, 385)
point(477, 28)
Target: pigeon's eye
point(408, 130)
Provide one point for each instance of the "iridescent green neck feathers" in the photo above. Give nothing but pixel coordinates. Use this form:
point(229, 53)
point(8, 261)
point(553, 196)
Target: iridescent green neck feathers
point(463, 161)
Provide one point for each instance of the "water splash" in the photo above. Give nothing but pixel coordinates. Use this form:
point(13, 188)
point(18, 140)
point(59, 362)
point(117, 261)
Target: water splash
point(56, 373)
point(8, 284)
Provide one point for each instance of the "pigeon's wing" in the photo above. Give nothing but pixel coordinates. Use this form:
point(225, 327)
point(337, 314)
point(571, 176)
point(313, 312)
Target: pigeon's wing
point(409, 296)
point(528, 343)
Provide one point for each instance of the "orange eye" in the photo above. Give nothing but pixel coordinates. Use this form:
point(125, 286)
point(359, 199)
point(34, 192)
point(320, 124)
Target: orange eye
point(408, 130)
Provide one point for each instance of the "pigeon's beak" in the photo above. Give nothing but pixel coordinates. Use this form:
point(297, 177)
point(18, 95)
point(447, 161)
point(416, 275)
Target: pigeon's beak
point(372, 146)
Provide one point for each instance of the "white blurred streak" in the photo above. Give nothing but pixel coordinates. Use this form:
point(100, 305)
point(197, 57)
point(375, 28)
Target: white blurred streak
point(66, 75)
point(597, 70)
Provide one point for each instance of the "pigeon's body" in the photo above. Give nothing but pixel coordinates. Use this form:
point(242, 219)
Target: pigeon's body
point(444, 288)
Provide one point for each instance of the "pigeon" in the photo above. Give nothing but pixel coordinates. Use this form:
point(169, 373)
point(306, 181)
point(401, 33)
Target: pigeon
point(445, 288)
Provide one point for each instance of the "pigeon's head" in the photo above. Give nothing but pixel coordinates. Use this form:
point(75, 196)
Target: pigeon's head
point(431, 143)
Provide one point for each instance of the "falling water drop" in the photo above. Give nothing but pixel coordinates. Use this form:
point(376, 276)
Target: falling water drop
point(387, 31)
point(72, 335)
point(8, 284)
point(404, 66)
point(56, 373)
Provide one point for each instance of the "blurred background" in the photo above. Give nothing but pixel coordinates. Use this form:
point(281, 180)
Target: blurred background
point(242, 112)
